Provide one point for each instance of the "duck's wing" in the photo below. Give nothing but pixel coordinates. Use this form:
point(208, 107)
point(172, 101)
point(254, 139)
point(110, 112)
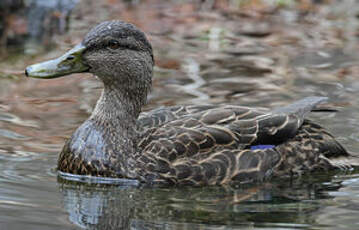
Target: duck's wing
point(222, 135)
point(208, 127)
point(226, 124)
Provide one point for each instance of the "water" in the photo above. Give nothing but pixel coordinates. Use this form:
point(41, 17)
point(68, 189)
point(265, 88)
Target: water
point(202, 57)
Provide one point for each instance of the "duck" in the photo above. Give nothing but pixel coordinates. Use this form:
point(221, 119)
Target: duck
point(179, 145)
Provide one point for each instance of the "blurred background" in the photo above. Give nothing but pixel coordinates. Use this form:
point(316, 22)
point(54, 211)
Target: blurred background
point(263, 53)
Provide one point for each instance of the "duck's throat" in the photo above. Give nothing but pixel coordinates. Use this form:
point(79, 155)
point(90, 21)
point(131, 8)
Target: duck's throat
point(118, 107)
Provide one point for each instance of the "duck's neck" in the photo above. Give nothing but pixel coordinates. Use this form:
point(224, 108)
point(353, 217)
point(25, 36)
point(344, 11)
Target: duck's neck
point(115, 116)
point(119, 108)
point(113, 108)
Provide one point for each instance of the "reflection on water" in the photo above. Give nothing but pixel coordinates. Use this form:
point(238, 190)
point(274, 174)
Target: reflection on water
point(205, 53)
point(265, 206)
point(191, 67)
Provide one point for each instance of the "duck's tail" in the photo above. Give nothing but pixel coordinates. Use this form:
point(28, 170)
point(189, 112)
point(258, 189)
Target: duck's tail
point(344, 162)
point(335, 154)
point(331, 151)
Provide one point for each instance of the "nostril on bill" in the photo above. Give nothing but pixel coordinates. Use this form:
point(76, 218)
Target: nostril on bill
point(71, 57)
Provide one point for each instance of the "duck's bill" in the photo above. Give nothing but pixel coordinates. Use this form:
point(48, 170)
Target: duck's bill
point(70, 62)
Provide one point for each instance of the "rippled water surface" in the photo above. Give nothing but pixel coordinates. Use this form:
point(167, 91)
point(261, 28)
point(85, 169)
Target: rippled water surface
point(255, 56)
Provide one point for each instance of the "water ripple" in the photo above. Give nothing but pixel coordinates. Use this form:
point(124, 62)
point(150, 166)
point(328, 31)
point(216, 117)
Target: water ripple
point(98, 180)
point(11, 118)
point(18, 155)
point(12, 135)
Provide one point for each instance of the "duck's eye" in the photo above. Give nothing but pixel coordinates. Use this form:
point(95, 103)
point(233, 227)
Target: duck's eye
point(113, 44)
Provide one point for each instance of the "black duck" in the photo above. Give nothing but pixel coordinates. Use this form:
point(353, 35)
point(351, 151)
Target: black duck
point(196, 145)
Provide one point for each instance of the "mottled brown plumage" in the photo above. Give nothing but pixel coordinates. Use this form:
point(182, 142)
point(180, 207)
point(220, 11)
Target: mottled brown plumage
point(195, 145)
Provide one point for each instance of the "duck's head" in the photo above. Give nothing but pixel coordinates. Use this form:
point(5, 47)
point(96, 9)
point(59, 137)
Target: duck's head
point(115, 51)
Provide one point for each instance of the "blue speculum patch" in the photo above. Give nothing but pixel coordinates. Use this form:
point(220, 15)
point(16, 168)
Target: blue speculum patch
point(254, 147)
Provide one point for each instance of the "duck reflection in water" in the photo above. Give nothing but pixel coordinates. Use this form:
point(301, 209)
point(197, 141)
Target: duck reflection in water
point(98, 206)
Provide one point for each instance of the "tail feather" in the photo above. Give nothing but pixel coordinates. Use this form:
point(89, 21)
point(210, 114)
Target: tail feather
point(302, 107)
point(344, 162)
point(331, 151)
